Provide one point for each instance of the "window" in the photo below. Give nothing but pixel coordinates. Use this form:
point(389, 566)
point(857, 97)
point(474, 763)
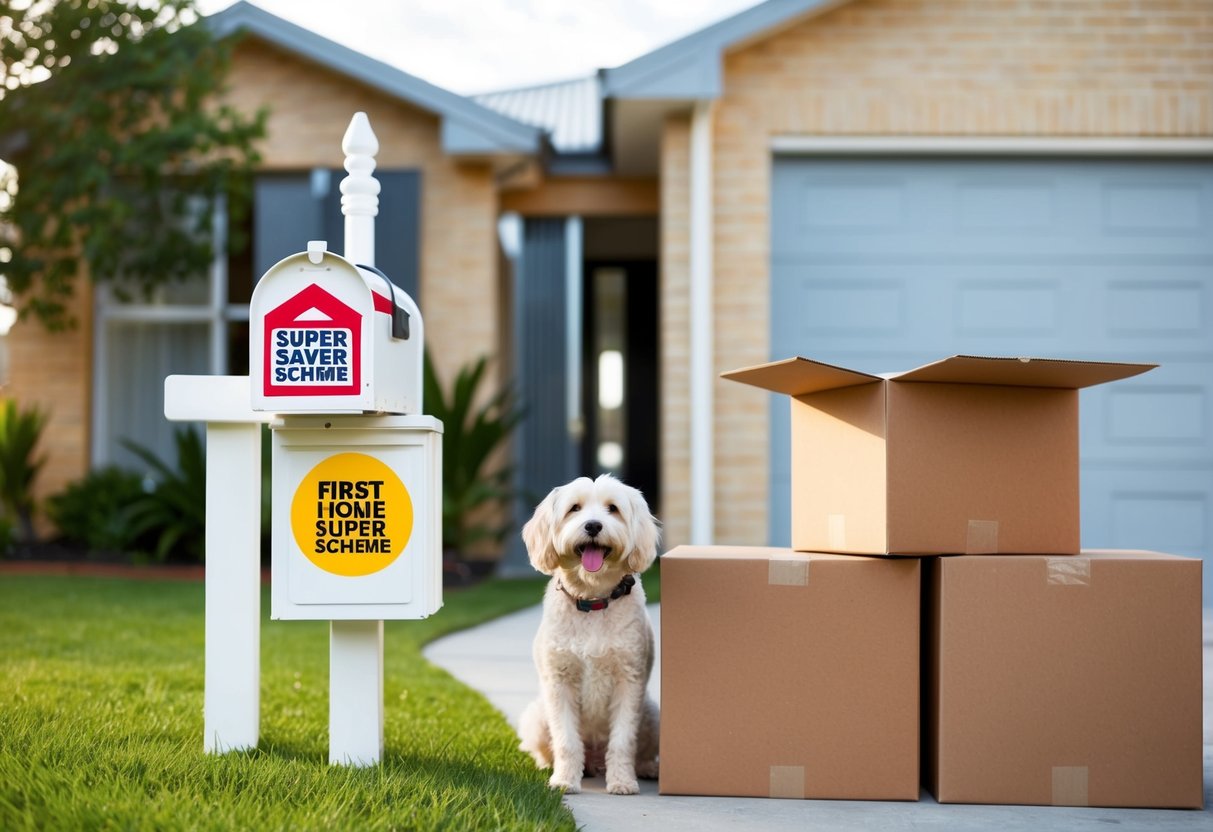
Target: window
point(202, 327)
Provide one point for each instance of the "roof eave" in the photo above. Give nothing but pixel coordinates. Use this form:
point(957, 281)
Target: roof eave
point(690, 68)
point(467, 127)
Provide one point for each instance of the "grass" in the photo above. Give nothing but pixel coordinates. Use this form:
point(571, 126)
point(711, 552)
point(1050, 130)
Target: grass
point(101, 685)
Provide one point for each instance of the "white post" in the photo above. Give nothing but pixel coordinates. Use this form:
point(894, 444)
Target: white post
point(232, 695)
point(356, 647)
point(356, 692)
point(703, 445)
point(360, 190)
point(573, 277)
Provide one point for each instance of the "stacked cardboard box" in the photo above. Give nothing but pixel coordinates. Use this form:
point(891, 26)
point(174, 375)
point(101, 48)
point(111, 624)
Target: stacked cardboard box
point(785, 674)
point(1050, 676)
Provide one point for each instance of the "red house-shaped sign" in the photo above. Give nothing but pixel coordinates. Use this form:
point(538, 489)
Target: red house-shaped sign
point(313, 347)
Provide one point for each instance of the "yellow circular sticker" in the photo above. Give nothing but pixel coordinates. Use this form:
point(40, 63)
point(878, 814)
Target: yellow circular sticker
point(351, 515)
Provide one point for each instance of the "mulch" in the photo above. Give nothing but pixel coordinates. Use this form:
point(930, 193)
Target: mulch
point(56, 558)
point(169, 572)
point(86, 569)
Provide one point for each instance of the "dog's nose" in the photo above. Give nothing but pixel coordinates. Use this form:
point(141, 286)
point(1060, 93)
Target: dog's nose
point(593, 527)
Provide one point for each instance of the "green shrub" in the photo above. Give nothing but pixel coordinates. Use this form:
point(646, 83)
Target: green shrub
point(92, 511)
point(6, 537)
point(20, 430)
point(471, 435)
point(174, 512)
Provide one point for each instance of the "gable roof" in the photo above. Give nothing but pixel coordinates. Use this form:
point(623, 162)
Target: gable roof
point(690, 68)
point(468, 129)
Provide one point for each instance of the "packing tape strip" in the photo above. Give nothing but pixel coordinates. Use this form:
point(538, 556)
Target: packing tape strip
point(982, 538)
point(788, 571)
point(1070, 571)
point(1070, 786)
point(787, 781)
point(836, 531)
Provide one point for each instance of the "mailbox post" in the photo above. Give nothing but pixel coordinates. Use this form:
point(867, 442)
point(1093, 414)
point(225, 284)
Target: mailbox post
point(335, 355)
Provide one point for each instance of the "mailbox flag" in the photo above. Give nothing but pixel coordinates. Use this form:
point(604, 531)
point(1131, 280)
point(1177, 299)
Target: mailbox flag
point(313, 346)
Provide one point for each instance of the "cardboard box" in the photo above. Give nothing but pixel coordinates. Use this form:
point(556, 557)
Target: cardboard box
point(786, 674)
point(1072, 681)
point(968, 455)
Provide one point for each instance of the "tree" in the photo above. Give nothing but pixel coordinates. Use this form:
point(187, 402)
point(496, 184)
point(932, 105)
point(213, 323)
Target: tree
point(118, 147)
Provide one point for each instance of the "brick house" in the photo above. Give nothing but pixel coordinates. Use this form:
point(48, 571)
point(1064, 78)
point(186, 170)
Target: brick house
point(876, 183)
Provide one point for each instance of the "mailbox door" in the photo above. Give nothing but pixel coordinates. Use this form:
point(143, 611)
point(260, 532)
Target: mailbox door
point(311, 338)
point(356, 518)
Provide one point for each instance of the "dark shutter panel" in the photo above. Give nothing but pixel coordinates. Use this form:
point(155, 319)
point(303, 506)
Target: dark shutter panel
point(398, 230)
point(286, 214)
point(397, 226)
point(546, 455)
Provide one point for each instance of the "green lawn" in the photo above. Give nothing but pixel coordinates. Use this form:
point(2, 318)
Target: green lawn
point(101, 722)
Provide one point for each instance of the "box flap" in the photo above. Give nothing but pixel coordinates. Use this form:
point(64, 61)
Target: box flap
point(798, 376)
point(1023, 372)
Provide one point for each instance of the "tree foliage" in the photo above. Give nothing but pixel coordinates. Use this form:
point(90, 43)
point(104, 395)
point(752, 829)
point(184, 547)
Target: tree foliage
point(117, 145)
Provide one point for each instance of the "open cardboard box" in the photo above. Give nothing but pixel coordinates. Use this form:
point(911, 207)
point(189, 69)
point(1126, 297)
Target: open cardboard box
point(968, 455)
point(1070, 681)
point(789, 674)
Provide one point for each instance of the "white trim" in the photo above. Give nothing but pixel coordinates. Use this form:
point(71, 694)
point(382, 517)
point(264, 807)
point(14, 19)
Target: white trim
point(100, 389)
point(987, 145)
point(702, 319)
point(218, 328)
point(109, 312)
point(573, 236)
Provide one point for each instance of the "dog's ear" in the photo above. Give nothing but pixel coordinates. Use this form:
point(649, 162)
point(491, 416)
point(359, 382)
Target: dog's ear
point(537, 534)
point(644, 530)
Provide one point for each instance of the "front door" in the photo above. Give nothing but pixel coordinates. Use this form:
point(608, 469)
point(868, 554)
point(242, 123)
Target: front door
point(620, 372)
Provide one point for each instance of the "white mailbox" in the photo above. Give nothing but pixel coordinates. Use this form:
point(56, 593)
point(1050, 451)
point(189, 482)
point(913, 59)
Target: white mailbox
point(329, 336)
point(335, 350)
point(335, 361)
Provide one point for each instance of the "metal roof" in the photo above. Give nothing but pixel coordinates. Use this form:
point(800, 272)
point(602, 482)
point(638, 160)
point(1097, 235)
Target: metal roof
point(467, 127)
point(570, 111)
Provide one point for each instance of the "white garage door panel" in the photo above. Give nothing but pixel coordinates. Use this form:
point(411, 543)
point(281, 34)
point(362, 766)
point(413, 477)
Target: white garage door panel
point(1147, 509)
point(1163, 417)
point(884, 264)
point(1111, 311)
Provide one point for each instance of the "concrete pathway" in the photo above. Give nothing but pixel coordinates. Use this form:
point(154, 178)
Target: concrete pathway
point(496, 659)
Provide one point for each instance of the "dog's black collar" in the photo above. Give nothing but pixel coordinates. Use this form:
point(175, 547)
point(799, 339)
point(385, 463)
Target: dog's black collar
point(590, 604)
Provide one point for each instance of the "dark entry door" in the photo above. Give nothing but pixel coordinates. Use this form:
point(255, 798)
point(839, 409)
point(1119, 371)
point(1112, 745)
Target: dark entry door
point(620, 372)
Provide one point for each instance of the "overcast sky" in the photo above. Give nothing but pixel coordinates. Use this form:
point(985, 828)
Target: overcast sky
point(471, 46)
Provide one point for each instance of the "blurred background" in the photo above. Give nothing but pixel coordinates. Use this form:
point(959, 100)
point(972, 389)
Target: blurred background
point(876, 184)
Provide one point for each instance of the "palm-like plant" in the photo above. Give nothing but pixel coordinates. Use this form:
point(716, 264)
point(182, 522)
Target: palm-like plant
point(174, 512)
point(20, 430)
point(472, 433)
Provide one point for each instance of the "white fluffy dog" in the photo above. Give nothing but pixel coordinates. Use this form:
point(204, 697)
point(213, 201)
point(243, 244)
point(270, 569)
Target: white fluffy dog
point(594, 648)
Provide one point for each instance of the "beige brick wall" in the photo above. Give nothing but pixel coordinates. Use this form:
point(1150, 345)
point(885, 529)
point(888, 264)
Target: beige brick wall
point(1052, 68)
point(674, 299)
point(54, 370)
point(310, 109)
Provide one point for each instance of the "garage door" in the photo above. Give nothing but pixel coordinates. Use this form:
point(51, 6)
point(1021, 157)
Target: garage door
point(885, 264)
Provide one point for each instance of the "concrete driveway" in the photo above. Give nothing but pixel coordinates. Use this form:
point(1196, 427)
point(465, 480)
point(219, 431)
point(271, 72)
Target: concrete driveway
point(495, 659)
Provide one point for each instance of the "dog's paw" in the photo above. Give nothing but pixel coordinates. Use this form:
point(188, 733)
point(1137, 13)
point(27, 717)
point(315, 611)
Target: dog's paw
point(567, 785)
point(647, 770)
point(623, 787)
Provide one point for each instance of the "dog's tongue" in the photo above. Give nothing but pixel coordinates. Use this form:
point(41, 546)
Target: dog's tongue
point(591, 558)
